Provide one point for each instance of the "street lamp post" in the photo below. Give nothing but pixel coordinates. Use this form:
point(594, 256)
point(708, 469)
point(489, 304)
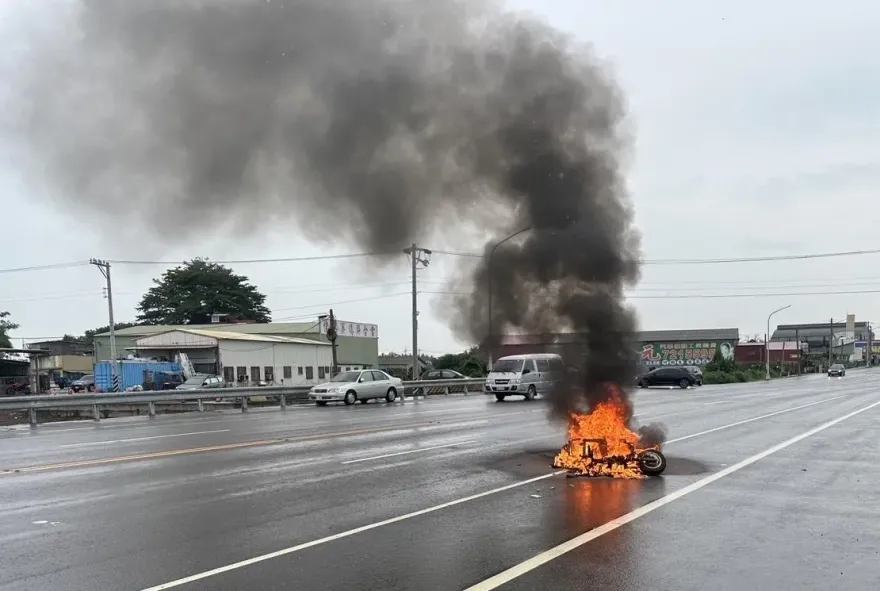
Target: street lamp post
point(767, 343)
point(489, 275)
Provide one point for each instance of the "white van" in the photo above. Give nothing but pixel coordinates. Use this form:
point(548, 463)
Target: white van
point(524, 375)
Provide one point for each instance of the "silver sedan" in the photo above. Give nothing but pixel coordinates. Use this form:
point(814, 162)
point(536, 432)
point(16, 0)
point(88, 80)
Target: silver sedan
point(351, 386)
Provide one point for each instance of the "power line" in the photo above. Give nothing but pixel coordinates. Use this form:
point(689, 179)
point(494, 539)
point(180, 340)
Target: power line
point(249, 261)
point(324, 304)
point(751, 295)
point(46, 267)
point(708, 296)
point(793, 257)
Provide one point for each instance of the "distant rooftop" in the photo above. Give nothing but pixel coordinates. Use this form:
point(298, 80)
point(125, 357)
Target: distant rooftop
point(265, 328)
point(648, 336)
point(240, 336)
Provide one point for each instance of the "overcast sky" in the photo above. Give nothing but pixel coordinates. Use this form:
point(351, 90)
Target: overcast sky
point(757, 133)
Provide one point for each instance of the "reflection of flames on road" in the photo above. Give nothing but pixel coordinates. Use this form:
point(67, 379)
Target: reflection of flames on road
point(600, 443)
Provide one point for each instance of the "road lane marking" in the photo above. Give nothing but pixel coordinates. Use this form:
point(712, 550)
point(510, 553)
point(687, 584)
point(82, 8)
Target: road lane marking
point(411, 451)
point(531, 564)
point(719, 402)
point(194, 450)
point(753, 419)
point(92, 443)
point(345, 534)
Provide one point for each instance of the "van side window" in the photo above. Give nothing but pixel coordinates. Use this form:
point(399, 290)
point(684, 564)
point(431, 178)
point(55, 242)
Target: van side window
point(543, 365)
point(556, 364)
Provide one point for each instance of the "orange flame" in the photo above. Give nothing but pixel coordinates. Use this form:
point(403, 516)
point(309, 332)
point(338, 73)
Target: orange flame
point(600, 443)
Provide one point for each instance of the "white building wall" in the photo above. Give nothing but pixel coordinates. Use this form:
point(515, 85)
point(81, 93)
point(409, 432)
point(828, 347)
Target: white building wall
point(297, 357)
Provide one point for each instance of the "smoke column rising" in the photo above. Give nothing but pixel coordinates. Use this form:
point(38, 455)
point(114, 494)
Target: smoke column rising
point(367, 121)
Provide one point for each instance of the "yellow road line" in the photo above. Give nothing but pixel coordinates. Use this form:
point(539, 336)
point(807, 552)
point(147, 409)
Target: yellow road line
point(195, 450)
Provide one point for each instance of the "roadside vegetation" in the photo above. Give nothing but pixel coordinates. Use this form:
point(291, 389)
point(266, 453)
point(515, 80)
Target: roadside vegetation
point(727, 371)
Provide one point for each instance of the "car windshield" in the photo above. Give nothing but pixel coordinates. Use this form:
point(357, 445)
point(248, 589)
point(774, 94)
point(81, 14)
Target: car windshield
point(346, 376)
point(196, 381)
point(87, 379)
point(508, 366)
point(837, 366)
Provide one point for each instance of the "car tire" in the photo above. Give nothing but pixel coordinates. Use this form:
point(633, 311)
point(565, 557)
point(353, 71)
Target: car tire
point(390, 395)
point(531, 393)
point(91, 388)
point(643, 384)
point(684, 383)
point(321, 403)
point(500, 397)
point(350, 398)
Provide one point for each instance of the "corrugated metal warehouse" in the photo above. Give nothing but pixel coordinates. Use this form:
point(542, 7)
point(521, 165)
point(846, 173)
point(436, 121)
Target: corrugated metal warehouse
point(244, 358)
point(356, 345)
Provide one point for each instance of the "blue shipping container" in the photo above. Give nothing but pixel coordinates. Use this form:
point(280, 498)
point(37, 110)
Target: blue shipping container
point(131, 372)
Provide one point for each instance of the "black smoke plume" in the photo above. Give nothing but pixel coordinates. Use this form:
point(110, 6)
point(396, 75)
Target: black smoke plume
point(368, 121)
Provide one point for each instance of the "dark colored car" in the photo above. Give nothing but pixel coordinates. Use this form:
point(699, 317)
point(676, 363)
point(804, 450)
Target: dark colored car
point(443, 374)
point(668, 376)
point(836, 370)
point(84, 384)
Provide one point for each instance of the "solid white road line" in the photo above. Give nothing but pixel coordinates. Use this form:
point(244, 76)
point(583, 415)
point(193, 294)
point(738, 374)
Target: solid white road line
point(510, 574)
point(410, 451)
point(753, 419)
point(93, 443)
point(345, 534)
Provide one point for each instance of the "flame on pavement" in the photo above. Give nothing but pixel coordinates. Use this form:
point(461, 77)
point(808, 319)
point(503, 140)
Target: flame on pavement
point(600, 443)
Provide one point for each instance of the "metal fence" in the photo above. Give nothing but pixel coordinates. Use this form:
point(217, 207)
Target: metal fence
point(101, 404)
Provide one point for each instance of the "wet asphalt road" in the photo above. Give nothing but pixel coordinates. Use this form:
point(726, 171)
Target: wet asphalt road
point(449, 493)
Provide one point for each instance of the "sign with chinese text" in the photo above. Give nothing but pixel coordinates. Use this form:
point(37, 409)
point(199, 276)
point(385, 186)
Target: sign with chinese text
point(666, 354)
point(351, 329)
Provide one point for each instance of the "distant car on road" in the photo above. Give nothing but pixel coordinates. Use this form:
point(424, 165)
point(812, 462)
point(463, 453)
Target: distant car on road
point(443, 374)
point(202, 382)
point(524, 375)
point(836, 370)
point(84, 384)
point(668, 376)
point(351, 386)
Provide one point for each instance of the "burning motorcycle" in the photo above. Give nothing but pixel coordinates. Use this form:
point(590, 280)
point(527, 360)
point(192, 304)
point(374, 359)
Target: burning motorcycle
point(595, 457)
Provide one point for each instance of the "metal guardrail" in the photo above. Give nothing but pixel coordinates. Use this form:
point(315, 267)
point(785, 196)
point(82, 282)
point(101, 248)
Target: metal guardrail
point(96, 402)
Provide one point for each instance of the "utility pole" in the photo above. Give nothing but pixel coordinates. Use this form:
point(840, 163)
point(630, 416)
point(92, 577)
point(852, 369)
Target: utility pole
point(331, 334)
point(869, 349)
point(797, 338)
point(418, 256)
point(104, 267)
point(830, 342)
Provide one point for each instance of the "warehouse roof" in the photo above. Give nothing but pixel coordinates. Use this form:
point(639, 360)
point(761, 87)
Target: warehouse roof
point(256, 328)
point(237, 336)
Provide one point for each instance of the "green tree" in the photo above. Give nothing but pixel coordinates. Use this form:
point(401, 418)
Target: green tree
point(469, 363)
point(88, 337)
point(191, 293)
point(6, 326)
